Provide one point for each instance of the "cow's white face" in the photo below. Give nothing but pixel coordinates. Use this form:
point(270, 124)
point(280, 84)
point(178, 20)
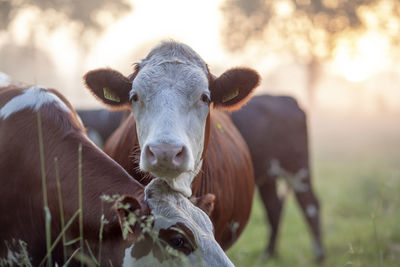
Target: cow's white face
point(180, 225)
point(170, 103)
point(170, 93)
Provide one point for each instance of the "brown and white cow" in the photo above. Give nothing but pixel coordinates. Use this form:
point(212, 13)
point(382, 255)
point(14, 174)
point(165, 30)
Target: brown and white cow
point(177, 222)
point(171, 94)
point(275, 130)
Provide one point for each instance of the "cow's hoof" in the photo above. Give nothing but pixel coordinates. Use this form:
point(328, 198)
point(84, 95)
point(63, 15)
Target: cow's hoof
point(320, 259)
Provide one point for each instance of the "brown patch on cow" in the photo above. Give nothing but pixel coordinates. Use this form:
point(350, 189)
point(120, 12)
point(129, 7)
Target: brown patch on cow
point(179, 231)
point(228, 163)
point(206, 135)
point(142, 247)
point(177, 236)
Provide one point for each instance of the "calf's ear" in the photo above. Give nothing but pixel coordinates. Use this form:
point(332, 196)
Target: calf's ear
point(233, 88)
point(110, 86)
point(131, 214)
point(205, 203)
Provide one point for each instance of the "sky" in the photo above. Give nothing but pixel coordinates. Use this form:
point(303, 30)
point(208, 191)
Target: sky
point(351, 81)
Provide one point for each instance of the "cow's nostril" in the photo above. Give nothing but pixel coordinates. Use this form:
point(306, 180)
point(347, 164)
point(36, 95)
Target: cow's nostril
point(150, 155)
point(180, 157)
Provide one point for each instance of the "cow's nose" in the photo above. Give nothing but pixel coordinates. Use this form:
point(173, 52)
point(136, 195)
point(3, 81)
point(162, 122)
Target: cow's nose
point(172, 156)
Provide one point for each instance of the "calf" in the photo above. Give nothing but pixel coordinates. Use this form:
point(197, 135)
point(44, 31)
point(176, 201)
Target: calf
point(171, 93)
point(176, 222)
point(275, 131)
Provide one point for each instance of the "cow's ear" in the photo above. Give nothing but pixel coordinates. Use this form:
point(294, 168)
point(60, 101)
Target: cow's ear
point(110, 86)
point(233, 88)
point(131, 214)
point(205, 203)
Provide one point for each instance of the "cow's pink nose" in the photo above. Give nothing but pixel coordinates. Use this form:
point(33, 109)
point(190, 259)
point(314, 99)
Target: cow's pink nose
point(166, 156)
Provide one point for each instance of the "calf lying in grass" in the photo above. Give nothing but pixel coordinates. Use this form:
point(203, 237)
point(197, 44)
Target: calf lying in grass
point(52, 178)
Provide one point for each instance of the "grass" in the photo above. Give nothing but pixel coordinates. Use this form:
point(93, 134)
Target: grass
point(356, 175)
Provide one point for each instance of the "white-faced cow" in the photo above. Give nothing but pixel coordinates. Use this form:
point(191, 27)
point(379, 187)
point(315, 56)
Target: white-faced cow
point(177, 223)
point(171, 94)
point(275, 130)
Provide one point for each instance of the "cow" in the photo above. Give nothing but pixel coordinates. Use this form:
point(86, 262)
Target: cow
point(275, 130)
point(101, 123)
point(178, 129)
point(41, 139)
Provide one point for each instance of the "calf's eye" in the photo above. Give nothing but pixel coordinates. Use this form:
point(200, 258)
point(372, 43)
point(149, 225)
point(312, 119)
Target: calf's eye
point(177, 242)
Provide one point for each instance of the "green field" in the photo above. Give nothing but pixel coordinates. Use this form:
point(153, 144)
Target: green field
point(356, 174)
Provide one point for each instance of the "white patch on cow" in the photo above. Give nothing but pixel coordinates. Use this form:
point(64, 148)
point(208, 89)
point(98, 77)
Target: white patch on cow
point(34, 97)
point(311, 210)
point(5, 80)
point(169, 110)
point(297, 181)
point(147, 261)
point(128, 259)
point(183, 183)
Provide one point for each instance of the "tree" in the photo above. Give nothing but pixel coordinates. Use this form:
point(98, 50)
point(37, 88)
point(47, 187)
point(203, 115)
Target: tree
point(310, 29)
point(82, 12)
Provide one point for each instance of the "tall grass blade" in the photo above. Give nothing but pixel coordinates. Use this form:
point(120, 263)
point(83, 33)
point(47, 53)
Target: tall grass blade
point(71, 257)
point(85, 260)
point(73, 241)
point(80, 199)
point(61, 207)
point(91, 254)
point(60, 236)
point(44, 189)
point(101, 231)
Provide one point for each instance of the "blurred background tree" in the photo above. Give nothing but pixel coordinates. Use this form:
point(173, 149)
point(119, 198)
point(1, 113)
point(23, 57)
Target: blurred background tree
point(87, 13)
point(310, 30)
point(85, 19)
point(28, 26)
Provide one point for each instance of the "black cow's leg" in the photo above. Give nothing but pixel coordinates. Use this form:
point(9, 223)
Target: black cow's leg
point(311, 210)
point(273, 205)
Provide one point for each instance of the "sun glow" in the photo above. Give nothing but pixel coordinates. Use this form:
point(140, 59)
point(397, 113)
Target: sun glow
point(192, 22)
point(357, 60)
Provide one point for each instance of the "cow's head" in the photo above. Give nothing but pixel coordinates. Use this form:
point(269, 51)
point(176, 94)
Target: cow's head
point(167, 229)
point(170, 94)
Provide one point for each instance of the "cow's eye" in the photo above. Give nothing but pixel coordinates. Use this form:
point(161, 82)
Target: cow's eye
point(205, 98)
point(177, 242)
point(134, 97)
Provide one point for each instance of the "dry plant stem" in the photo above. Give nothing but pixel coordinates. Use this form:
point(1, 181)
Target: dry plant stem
point(80, 198)
point(60, 203)
point(44, 188)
